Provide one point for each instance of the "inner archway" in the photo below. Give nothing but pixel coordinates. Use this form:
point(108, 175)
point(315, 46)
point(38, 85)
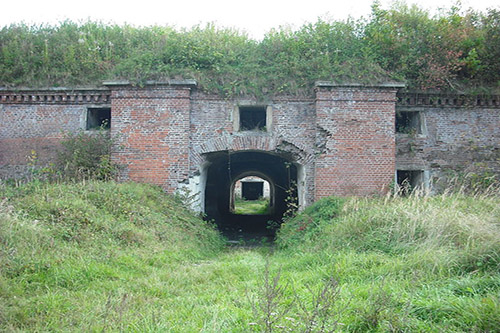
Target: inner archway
point(251, 195)
point(225, 169)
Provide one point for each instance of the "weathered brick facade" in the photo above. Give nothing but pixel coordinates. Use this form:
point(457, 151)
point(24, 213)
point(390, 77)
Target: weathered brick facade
point(34, 120)
point(359, 156)
point(151, 127)
point(458, 133)
point(341, 142)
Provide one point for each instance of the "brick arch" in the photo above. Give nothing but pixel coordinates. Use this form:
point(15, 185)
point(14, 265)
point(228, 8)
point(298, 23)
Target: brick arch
point(255, 142)
point(232, 142)
point(225, 168)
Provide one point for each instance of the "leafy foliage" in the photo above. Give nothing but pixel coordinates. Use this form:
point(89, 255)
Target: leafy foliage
point(453, 50)
point(86, 156)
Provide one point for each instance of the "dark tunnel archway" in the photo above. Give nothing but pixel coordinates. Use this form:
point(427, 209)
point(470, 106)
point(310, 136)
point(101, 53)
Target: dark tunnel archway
point(225, 167)
point(263, 178)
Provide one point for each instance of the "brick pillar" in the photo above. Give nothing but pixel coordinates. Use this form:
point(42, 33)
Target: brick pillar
point(359, 154)
point(151, 129)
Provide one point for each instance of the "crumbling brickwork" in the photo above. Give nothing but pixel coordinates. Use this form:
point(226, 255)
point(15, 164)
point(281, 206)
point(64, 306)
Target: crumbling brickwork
point(291, 134)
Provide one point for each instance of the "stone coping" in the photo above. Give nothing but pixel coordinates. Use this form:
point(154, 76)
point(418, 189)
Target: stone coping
point(188, 83)
point(326, 84)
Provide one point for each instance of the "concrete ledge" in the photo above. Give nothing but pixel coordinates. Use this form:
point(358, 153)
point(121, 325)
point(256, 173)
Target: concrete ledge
point(331, 84)
point(183, 83)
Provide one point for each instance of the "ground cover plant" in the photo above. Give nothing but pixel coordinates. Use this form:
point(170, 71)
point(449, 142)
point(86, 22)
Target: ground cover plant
point(455, 50)
point(251, 207)
point(406, 264)
point(101, 256)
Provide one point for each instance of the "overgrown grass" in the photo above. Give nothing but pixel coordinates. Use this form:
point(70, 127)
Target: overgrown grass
point(454, 50)
point(406, 264)
point(125, 257)
point(251, 207)
point(91, 255)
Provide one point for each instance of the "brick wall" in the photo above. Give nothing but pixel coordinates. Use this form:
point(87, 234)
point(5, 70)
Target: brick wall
point(151, 126)
point(35, 121)
point(358, 157)
point(459, 133)
point(342, 142)
point(292, 134)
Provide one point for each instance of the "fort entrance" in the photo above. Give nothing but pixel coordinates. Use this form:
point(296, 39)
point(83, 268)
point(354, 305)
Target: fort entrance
point(226, 168)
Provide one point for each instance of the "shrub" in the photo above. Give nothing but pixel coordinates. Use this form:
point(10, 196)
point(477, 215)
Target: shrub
point(86, 156)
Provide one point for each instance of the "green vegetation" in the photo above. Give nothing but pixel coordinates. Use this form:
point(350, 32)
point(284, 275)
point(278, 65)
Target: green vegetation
point(101, 256)
point(251, 207)
point(455, 50)
point(405, 264)
point(86, 156)
point(91, 256)
point(82, 156)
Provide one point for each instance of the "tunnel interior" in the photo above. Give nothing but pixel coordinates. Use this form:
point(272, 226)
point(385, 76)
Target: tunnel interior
point(225, 168)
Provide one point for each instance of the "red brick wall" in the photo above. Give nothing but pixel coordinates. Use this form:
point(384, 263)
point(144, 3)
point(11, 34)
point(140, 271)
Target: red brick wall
point(35, 121)
point(359, 156)
point(151, 126)
point(344, 139)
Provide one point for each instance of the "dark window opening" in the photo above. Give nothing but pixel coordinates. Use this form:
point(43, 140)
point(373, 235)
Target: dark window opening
point(98, 118)
point(409, 180)
point(408, 122)
point(252, 118)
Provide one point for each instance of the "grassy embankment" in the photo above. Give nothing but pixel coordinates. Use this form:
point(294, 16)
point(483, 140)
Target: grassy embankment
point(111, 257)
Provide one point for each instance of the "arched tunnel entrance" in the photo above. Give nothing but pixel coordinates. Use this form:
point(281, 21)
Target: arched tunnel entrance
point(226, 168)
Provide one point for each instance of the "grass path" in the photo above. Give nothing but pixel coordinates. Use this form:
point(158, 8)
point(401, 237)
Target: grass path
point(104, 257)
point(252, 207)
point(225, 293)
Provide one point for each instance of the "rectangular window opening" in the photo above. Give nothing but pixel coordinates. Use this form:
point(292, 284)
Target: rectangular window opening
point(408, 122)
point(98, 118)
point(253, 118)
point(409, 180)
